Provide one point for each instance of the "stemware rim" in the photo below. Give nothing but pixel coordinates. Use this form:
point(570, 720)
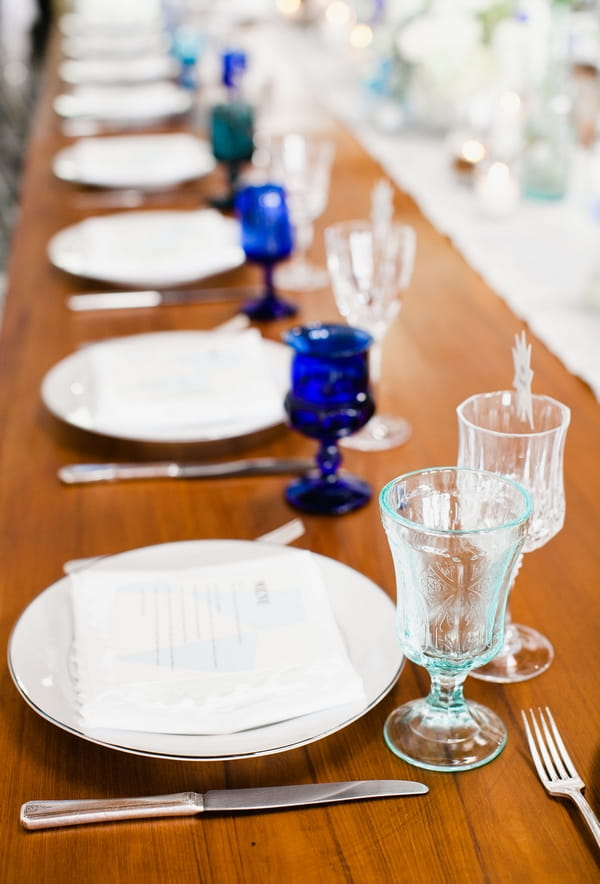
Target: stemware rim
point(362, 338)
point(367, 224)
point(564, 410)
point(456, 532)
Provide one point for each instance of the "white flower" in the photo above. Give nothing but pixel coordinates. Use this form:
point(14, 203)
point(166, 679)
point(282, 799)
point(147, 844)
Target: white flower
point(450, 34)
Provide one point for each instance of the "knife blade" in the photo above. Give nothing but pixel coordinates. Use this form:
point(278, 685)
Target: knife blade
point(78, 473)
point(51, 814)
point(157, 297)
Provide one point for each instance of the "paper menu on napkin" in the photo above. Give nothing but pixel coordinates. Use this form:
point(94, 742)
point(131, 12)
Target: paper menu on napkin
point(172, 380)
point(120, 160)
point(161, 246)
point(214, 649)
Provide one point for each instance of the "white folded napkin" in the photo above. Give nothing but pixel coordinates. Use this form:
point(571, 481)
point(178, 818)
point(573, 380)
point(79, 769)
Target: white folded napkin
point(169, 381)
point(159, 247)
point(207, 650)
point(119, 70)
point(146, 101)
point(125, 161)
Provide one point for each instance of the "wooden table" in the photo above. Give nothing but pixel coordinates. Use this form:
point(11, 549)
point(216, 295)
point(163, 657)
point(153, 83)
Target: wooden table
point(453, 337)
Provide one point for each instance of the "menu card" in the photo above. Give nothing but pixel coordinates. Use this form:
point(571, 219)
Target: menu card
point(214, 649)
point(122, 159)
point(147, 383)
point(162, 246)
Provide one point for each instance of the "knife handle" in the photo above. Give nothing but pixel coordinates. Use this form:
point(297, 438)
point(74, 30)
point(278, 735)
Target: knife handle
point(51, 814)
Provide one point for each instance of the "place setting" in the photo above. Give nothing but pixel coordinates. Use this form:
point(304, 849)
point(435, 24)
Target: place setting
point(135, 161)
point(305, 667)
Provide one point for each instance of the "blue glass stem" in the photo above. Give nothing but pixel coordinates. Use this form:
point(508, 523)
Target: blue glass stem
point(328, 460)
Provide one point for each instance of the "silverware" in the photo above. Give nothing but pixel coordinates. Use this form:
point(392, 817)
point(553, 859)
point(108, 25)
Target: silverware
point(77, 473)
point(132, 197)
point(156, 298)
point(50, 814)
point(283, 534)
point(554, 766)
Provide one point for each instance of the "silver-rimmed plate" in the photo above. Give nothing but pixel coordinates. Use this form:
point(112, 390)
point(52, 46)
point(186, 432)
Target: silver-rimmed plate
point(68, 392)
point(139, 69)
point(124, 105)
point(39, 652)
point(135, 160)
point(149, 249)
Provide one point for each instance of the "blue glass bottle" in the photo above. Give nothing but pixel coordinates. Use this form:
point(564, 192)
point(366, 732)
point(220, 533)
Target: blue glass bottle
point(231, 125)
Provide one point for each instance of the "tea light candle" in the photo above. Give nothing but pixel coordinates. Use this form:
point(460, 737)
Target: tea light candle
point(469, 154)
point(497, 189)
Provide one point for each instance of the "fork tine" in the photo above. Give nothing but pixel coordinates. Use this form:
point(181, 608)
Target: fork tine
point(543, 749)
point(564, 755)
point(537, 760)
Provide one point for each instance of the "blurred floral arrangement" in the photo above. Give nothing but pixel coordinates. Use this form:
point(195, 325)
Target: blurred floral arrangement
point(434, 55)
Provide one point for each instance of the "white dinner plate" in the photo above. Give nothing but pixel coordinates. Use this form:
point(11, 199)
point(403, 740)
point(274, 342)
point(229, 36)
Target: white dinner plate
point(129, 105)
point(39, 655)
point(67, 390)
point(149, 249)
point(139, 69)
point(135, 160)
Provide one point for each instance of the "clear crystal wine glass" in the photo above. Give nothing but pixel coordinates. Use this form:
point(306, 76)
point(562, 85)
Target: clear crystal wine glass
point(492, 436)
point(301, 163)
point(370, 266)
point(455, 535)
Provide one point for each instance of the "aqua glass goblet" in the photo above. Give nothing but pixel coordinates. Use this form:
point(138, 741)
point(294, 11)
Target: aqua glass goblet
point(231, 125)
point(266, 239)
point(329, 399)
point(492, 436)
point(455, 536)
point(370, 267)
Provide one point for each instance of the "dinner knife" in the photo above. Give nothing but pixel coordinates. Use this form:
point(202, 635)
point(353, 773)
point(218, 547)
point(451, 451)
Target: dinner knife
point(51, 814)
point(78, 473)
point(156, 298)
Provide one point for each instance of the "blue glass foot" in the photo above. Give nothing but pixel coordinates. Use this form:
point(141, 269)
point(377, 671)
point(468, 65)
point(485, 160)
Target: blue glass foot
point(333, 496)
point(269, 307)
point(224, 203)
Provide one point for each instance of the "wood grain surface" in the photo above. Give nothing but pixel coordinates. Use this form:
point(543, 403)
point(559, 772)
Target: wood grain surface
point(453, 337)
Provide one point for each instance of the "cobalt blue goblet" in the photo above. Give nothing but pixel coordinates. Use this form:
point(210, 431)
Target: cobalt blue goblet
point(330, 398)
point(266, 240)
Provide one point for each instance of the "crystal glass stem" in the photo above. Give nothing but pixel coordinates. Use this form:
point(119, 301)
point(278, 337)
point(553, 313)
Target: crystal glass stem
point(519, 658)
point(382, 431)
point(299, 273)
point(443, 731)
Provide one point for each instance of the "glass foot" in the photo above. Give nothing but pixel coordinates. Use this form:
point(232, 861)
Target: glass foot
point(268, 308)
point(379, 433)
point(224, 203)
point(525, 654)
point(445, 739)
point(314, 494)
point(301, 276)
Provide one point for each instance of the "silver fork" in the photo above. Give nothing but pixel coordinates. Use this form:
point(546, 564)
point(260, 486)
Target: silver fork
point(554, 766)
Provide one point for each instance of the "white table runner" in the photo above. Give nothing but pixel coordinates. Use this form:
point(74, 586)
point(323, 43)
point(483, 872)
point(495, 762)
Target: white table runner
point(540, 259)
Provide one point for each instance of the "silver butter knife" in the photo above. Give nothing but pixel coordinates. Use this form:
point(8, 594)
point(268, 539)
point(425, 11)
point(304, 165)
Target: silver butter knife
point(157, 297)
point(51, 814)
point(78, 473)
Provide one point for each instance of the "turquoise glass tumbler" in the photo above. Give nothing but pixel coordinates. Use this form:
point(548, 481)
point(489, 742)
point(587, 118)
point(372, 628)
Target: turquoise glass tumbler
point(455, 536)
